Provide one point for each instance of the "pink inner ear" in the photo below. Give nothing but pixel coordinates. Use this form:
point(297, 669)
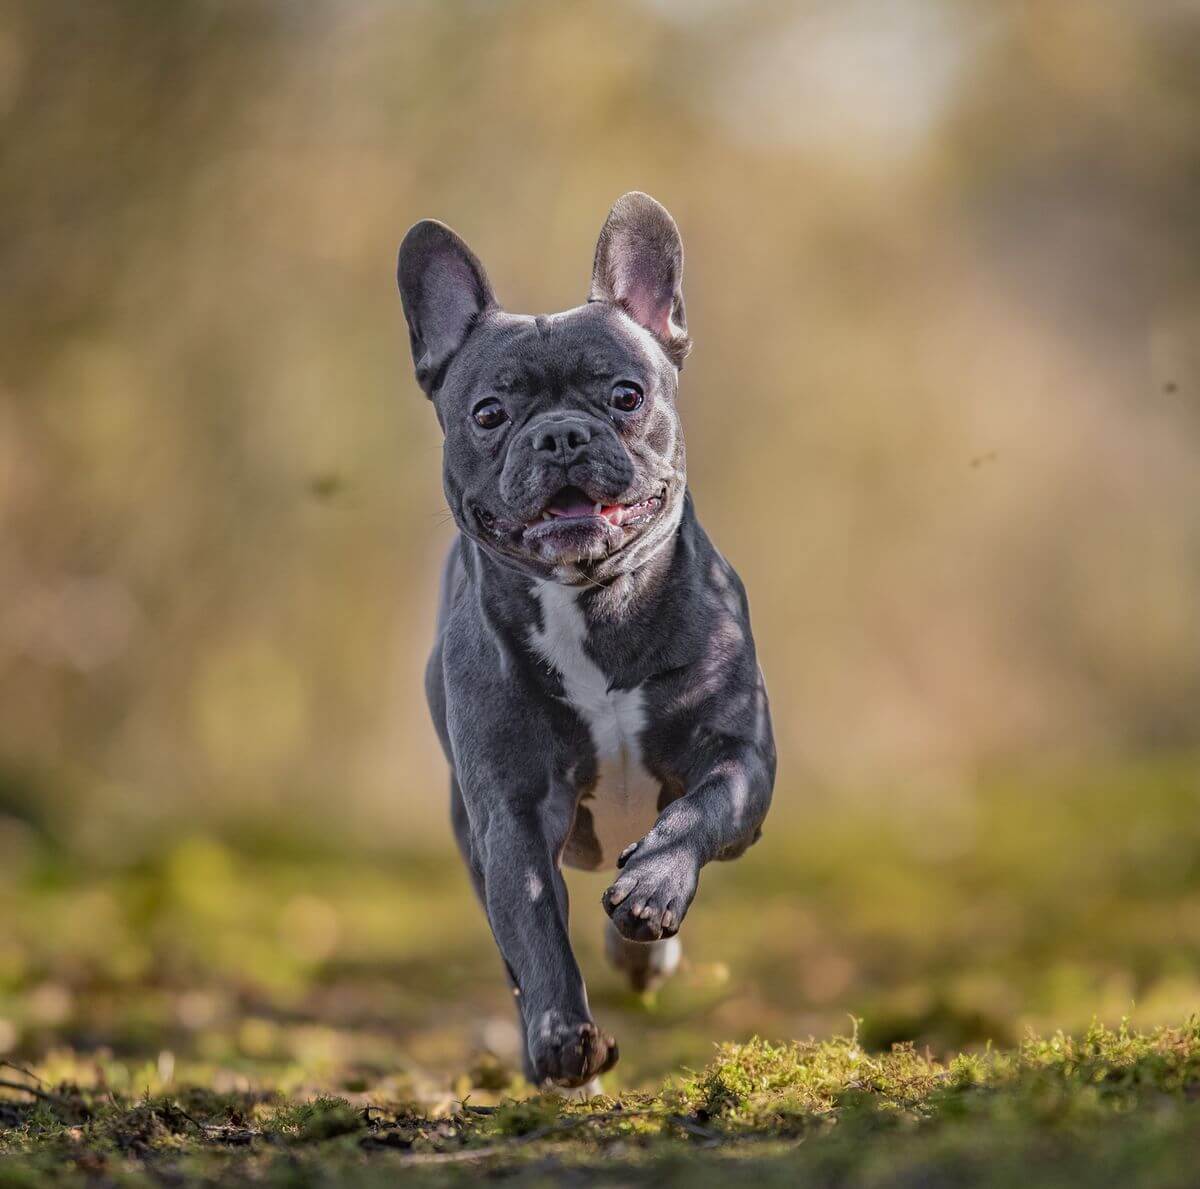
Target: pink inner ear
point(643, 285)
point(654, 316)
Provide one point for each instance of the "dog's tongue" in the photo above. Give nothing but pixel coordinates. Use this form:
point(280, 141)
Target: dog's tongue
point(571, 502)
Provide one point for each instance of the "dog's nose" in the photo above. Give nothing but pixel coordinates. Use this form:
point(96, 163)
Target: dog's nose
point(564, 439)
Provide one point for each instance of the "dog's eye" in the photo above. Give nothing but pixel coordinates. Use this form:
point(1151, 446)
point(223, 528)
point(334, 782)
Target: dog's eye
point(626, 396)
point(489, 413)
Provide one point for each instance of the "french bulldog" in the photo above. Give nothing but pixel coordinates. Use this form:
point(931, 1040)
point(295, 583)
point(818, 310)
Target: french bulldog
point(593, 680)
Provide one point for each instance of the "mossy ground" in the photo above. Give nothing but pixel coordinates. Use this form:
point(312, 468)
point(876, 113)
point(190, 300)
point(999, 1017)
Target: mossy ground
point(230, 1009)
point(1112, 1107)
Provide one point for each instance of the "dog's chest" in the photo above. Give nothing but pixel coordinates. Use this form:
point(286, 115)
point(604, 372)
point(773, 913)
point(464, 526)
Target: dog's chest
point(623, 804)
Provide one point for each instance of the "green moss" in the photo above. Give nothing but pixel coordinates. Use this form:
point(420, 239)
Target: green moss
point(759, 1083)
point(320, 1119)
point(521, 1118)
point(1108, 1104)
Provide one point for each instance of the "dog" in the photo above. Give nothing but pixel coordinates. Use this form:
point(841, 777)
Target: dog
point(593, 681)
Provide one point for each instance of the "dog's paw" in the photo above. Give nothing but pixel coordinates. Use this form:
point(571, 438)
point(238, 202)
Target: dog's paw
point(569, 1053)
point(656, 885)
point(646, 964)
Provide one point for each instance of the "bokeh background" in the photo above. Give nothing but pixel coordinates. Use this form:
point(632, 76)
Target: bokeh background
point(943, 414)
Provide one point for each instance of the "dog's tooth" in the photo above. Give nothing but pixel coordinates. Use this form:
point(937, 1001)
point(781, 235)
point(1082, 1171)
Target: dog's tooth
point(598, 509)
point(547, 516)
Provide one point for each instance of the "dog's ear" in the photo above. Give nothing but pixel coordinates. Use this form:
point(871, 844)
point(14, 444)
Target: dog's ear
point(639, 267)
point(445, 291)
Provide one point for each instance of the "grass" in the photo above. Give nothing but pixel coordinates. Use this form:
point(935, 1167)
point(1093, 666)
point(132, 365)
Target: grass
point(1111, 1107)
point(235, 1008)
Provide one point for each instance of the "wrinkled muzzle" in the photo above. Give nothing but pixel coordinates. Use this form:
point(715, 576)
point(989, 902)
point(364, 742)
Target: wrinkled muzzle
point(559, 451)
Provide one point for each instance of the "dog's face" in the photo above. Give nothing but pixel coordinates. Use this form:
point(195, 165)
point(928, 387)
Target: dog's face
point(563, 447)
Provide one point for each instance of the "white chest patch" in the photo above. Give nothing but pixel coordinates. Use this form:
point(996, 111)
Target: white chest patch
point(624, 803)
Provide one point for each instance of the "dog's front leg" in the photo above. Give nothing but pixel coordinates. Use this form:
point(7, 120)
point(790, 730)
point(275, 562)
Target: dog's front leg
point(526, 901)
point(729, 792)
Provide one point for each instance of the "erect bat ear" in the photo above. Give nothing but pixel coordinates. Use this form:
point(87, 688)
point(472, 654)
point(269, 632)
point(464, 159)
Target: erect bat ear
point(444, 291)
point(639, 267)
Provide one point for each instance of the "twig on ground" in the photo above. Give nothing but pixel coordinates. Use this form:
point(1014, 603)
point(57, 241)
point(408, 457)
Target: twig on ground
point(695, 1130)
point(42, 1094)
point(203, 1128)
point(33, 1077)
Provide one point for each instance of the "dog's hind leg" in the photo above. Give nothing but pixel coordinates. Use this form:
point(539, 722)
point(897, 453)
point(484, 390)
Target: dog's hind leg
point(647, 964)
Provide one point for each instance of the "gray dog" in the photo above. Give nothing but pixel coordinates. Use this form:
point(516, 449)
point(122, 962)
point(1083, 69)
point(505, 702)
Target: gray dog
point(593, 681)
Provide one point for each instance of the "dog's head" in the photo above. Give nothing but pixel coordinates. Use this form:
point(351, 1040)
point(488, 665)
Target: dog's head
point(563, 448)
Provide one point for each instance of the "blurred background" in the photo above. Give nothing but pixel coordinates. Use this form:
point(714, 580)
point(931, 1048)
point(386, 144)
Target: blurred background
point(943, 414)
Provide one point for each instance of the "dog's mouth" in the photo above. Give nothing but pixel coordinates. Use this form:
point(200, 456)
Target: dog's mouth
point(572, 526)
point(572, 507)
